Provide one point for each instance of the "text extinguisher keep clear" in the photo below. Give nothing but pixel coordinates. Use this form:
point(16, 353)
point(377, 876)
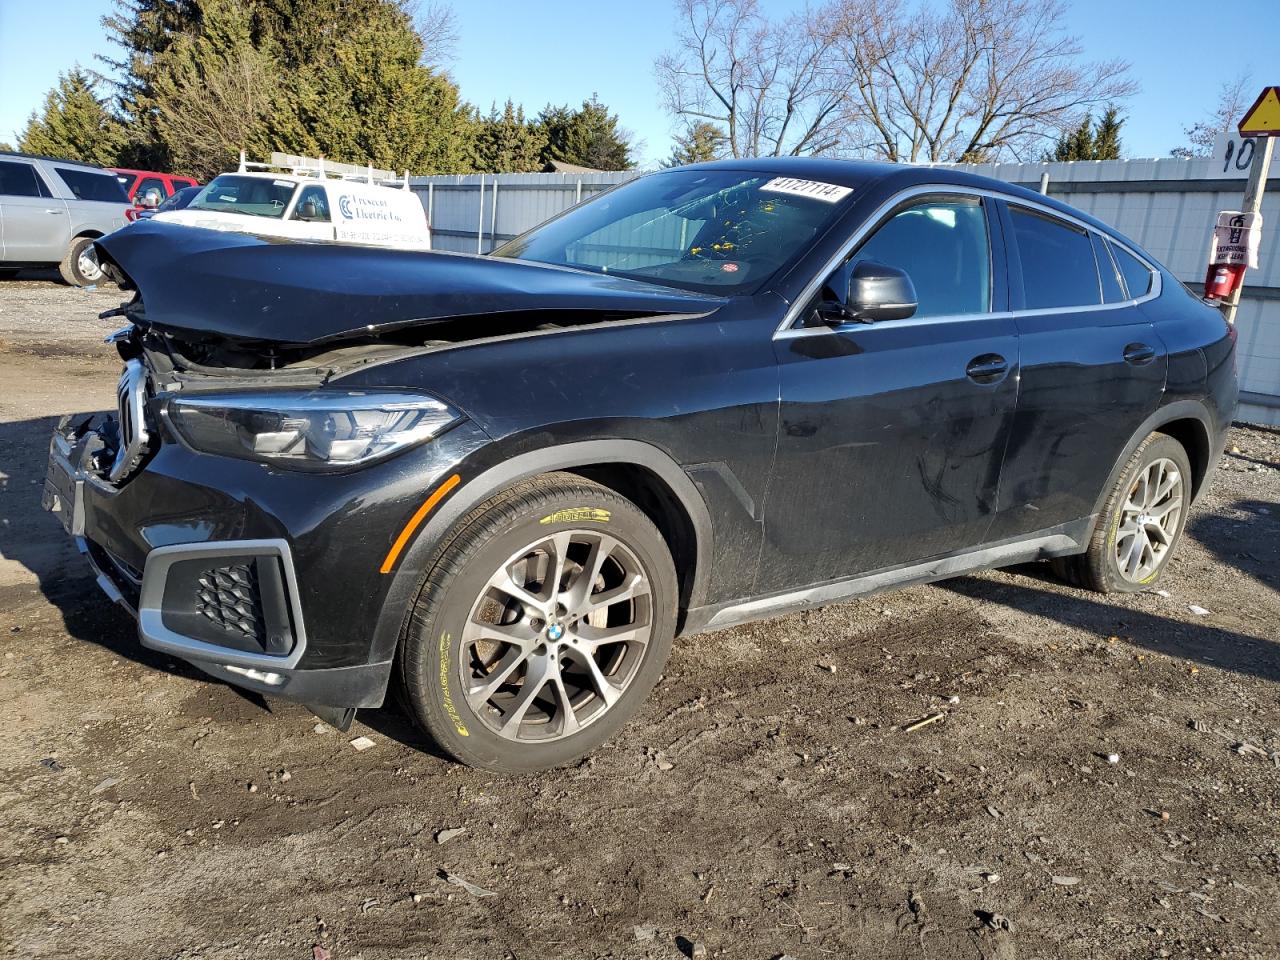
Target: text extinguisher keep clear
point(1232, 251)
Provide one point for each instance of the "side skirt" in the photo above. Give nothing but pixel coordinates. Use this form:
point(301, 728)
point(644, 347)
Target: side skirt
point(1060, 541)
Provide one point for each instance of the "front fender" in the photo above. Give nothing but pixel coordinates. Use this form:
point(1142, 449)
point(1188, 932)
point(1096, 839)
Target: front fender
point(493, 477)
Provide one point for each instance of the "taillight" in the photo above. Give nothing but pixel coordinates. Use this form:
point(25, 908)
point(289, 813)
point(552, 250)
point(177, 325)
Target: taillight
point(130, 214)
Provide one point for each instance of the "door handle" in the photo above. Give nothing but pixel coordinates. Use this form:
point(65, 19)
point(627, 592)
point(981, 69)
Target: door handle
point(1139, 354)
point(987, 368)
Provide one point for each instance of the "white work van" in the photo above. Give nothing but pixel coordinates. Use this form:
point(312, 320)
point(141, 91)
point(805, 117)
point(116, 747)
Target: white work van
point(309, 204)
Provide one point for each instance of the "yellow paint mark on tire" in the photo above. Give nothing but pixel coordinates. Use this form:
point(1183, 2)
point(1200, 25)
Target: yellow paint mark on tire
point(577, 515)
point(449, 708)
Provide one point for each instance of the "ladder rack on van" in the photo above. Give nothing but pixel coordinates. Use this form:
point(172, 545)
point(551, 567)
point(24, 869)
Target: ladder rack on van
point(320, 172)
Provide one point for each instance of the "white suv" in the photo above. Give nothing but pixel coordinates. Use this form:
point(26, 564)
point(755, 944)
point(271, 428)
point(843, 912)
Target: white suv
point(308, 206)
point(52, 210)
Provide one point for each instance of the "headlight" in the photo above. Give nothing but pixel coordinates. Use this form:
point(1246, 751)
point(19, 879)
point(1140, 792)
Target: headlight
point(324, 429)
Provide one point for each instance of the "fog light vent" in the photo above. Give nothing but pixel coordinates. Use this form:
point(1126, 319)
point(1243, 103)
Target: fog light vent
point(229, 596)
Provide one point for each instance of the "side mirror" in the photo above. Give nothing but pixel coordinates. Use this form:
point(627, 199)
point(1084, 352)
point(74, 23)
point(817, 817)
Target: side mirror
point(308, 210)
point(150, 200)
point(876, 292)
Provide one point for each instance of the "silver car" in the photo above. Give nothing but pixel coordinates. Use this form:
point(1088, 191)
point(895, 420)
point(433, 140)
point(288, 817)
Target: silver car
point(52, 210)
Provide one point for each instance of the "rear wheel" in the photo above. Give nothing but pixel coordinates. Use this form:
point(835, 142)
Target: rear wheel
point(541, 628)
point(1141, 523)
point(80, 266)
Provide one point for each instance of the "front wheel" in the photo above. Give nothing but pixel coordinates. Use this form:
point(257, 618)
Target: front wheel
point(1141, 523)
point(541, 628)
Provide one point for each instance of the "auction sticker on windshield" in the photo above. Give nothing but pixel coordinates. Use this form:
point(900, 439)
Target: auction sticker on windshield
point(827, 192)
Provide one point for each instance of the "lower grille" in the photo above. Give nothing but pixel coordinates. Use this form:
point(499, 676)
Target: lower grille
point(239, 602)
point(229, 596)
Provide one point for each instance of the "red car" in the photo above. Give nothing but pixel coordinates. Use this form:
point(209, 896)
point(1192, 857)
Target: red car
point(138, 183)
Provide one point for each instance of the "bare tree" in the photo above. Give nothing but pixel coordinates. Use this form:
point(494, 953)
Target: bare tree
point(1234, 98)
point(214, 94)
point(768, 86)
point(973, 81)
point(437, 25)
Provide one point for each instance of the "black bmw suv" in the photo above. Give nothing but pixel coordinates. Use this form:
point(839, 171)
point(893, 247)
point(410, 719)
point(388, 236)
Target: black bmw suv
point(504, 484)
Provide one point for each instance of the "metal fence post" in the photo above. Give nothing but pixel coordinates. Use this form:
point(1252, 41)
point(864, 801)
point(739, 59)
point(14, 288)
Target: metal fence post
point(480, 219)
point(493, 215)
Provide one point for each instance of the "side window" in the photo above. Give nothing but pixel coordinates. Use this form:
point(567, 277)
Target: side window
point(1112, 291)
point(19, 180)
point(1058, 268)
point(944, 247)
point(313, 206)
point(1137, 275)
point(88, 185)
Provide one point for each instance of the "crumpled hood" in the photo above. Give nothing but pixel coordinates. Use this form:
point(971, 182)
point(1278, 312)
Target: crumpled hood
point(261, 288)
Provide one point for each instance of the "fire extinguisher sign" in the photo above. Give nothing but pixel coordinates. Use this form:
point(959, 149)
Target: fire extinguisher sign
point(1235, 239)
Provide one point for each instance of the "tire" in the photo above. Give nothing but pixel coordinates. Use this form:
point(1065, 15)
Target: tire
point(8, 273)
point(1143, 538)
point(75, 267)
point(535, 700)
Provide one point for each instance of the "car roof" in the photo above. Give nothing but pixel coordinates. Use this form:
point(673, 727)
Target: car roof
point(149, 173)
point(892, 177)
point(41, 156)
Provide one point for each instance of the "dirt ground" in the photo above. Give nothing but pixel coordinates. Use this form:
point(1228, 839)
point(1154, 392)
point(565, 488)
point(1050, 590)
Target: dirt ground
point(767, 801)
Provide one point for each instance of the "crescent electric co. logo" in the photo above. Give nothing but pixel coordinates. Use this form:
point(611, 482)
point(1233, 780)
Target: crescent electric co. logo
point(344, 204)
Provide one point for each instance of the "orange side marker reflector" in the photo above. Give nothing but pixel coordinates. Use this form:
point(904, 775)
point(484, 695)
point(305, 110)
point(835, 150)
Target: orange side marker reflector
point(415, 521)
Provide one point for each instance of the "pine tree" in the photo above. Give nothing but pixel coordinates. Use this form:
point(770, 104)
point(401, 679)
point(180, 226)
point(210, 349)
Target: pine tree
point(1106, 142)
point(75, 123)
point(588, 137)
point(342, 78)
point(213, 93)
point(700, 142)
point(507, 143)
point(1086, 143)
point(143, 30)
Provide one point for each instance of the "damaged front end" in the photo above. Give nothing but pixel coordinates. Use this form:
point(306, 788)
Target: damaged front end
point(242, 498)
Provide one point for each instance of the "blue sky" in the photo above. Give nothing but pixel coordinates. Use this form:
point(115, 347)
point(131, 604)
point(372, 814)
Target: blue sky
point(561, 51)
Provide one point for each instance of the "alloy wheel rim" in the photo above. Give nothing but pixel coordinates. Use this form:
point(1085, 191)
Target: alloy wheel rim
point(88, 264)
point(1149, 520)
point(556, 636)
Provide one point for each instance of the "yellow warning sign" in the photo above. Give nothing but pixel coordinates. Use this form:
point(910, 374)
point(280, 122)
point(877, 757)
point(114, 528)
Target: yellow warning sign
point(1263, 118)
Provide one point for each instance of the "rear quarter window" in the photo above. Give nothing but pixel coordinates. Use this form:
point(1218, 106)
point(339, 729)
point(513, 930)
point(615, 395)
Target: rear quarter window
point(1058, 266)
point(87, 185)
point(1137, 275)
point(20, 180)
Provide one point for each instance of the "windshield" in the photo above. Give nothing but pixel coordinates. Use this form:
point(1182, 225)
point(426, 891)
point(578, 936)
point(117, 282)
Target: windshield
point(713, 231)
point(255, 196)
point(180, 200)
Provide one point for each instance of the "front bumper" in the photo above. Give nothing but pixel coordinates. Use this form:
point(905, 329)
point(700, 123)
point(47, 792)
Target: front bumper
point(265, 579)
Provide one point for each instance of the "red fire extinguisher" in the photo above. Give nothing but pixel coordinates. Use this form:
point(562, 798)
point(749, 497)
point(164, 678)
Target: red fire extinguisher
point(1222, 280)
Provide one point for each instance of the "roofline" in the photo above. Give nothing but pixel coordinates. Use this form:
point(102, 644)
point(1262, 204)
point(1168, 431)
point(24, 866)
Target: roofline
point(41, 156)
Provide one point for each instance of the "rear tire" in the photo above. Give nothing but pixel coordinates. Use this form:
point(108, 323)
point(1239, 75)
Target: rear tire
point(1140, 525)
point(80, 266)
point(511, 668)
